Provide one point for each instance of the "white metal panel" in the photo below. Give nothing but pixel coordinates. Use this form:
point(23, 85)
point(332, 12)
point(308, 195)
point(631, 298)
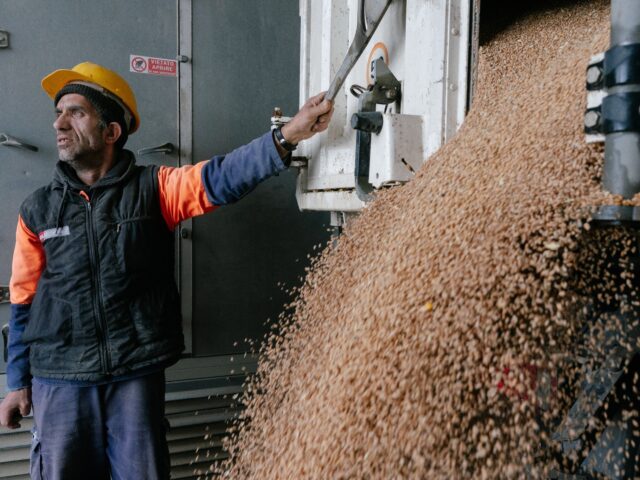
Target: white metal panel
point(397, 152)
point(332, 200)
point(325, 38)
point(426, 45)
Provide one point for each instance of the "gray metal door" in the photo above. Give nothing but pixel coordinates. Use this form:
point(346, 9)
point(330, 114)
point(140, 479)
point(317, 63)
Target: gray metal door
point(246, 61)
point(46, 35)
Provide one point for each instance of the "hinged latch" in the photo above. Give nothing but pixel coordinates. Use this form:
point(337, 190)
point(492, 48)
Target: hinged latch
point(4, 39)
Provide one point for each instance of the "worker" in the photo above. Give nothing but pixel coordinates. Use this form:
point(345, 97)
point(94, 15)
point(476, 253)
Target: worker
point(95, 314)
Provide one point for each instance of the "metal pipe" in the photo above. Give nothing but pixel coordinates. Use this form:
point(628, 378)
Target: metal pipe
point(625, 22)
point(622, 164)
point(622, 149)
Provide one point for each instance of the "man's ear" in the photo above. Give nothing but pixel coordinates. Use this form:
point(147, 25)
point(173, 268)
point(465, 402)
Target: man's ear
point(112, 133)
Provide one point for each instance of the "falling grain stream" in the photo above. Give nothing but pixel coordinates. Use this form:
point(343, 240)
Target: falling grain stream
point(409, 350)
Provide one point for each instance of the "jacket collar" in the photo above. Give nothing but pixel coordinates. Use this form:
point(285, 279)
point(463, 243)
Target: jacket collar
point(65, 175)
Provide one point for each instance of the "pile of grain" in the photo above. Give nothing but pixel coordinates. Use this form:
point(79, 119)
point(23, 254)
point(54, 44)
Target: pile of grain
point(393, 362)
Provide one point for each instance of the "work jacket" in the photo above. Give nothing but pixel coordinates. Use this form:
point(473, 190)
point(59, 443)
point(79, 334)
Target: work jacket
point(92, 289)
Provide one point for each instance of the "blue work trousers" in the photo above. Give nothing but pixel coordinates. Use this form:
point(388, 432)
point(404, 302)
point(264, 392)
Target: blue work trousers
point(116, 431)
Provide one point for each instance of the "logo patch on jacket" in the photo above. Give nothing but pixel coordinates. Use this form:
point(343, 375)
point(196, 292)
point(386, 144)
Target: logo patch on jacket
point(53, 233)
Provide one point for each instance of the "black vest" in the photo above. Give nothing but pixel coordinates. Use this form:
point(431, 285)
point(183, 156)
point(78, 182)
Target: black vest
point(106, 303)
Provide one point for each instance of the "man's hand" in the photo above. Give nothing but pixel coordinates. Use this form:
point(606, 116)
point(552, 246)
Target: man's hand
point(15, 405)
point(313, 117)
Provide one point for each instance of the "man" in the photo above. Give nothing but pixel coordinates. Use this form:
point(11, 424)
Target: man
point(95, 316)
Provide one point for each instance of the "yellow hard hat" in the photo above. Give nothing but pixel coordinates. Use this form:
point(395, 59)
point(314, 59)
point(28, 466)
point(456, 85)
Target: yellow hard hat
point(95, 74)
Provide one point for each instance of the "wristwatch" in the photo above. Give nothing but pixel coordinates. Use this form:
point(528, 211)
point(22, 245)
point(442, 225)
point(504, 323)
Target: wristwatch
point(289, 147)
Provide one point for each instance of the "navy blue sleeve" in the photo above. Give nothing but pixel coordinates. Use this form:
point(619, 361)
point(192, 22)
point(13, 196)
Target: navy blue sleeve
point(228, 178)
point(18, 367)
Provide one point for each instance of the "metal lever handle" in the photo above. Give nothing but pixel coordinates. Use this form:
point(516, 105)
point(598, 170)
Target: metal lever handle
point(165, 148)
point(9, 141)
point(370, 13)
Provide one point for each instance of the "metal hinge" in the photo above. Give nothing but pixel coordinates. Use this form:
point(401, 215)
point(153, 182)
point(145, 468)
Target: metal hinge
point(595, 94)
point(4, 294)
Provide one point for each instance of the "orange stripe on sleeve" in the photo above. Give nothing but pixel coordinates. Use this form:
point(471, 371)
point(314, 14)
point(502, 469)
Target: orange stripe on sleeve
point(28, 263)
point(182, 194)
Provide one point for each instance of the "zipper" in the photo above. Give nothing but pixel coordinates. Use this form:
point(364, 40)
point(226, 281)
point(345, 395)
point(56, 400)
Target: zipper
point(131, 220)
point(98, 307)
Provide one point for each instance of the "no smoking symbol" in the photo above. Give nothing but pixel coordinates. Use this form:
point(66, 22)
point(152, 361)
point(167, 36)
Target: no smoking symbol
point(139, 64)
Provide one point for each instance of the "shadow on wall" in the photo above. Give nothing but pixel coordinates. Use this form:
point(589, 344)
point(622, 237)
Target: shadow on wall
point(497, 15)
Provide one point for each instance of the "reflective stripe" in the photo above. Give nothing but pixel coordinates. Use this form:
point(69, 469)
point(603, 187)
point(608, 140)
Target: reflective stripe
point(54, 233)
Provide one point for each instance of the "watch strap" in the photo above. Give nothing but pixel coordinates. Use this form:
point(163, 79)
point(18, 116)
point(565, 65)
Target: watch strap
point(290, 147)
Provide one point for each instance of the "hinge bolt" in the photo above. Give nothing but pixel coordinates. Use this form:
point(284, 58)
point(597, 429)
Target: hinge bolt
point(591, 119)
point(594, 74)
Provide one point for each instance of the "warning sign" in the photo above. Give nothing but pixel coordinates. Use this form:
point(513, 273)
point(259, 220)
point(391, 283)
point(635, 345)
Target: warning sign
point(153, 65)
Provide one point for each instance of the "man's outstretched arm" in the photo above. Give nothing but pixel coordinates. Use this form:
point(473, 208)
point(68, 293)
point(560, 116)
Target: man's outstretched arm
point(196, 189)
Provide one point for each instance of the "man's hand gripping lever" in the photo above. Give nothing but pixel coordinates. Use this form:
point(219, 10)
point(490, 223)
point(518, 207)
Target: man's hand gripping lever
point(315, 115)
point(312, 118)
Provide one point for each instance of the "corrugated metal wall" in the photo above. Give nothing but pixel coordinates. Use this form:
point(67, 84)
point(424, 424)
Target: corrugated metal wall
point(14, 451)
point(197, 420)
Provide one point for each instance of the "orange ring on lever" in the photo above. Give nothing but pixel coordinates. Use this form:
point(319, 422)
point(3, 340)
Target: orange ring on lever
point(382, 46)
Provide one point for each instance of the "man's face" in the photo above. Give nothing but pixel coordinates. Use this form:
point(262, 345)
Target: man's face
point(79, 131)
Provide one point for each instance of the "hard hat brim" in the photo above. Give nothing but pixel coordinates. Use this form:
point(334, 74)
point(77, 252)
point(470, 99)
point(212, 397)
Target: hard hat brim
point(55, 81)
